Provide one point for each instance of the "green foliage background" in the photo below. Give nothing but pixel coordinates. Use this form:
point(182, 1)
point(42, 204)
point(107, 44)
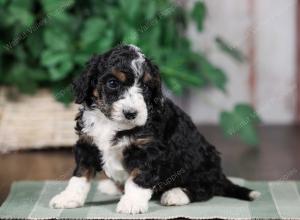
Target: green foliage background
point(45, 44)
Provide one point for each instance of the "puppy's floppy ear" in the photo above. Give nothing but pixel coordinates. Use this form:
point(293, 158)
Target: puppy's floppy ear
point(84, 84)
point(156, 79)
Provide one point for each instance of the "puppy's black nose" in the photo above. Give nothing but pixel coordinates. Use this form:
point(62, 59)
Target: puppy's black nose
point(130, 114)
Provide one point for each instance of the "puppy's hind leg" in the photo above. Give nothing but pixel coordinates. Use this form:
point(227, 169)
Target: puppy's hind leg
point(78, 187)
point(175, 196)
point(109, 187)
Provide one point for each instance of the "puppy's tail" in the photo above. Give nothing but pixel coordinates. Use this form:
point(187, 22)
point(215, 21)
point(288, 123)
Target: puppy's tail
point(239, 192)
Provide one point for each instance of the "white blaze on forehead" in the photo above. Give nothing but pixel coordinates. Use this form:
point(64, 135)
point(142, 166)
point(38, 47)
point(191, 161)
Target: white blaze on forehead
point(137, 63)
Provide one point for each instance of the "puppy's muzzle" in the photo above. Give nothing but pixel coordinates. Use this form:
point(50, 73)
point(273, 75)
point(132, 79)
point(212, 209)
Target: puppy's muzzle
point(130, 114)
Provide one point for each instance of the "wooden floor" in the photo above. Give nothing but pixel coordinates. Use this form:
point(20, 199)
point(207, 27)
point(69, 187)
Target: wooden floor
point(277, 158)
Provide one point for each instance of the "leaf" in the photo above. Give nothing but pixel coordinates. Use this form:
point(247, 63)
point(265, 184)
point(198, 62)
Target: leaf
point(169, 33)
point(174, 85)
point(64, 19)
point(20, 11)
point(81, 58)
point(92, 31)
point(150, 35)
point(59, 64)
point(230, 50)
point(60, 71)
point(199, 14)
point(246, 110)
point(191, 79)
point(249, 135)
point(52, 58)
point(52, 6)
point(132, 11)
point(3, 2)
point(242, 121)
point(151, 10)
point(21, 79)
point(99, 46)
point(38, 75)
point(35, 44)
point(226, 123)
point(131, 37)
point(107, 41)
point(183, 76)
point(63, 93)
point(214, 75)
point(20, 54)
point(56, 38)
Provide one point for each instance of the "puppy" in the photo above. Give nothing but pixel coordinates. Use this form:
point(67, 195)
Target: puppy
point(142, 141)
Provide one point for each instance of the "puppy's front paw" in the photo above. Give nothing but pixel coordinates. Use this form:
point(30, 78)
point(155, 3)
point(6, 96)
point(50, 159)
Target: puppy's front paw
point(129, 205)
point(66, 200)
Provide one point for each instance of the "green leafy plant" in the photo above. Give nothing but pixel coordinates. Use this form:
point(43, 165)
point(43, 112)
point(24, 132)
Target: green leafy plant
point(241, 121)
point(45, 44)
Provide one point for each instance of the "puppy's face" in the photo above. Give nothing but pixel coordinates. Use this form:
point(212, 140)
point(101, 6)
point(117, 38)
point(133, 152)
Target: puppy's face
point(123, 84)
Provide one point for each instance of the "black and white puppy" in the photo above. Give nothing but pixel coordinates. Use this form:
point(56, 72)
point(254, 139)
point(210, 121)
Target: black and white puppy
point(143, 142)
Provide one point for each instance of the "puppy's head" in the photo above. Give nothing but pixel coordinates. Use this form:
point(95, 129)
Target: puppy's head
point(123, 84)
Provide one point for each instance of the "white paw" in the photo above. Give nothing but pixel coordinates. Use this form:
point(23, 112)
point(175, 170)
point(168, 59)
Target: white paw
point(254, 195)
point(129, 205)
point(108, 187)
point(66, 200)
point(175, 196)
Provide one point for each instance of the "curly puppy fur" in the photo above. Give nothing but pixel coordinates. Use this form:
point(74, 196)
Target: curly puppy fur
point(140, 139)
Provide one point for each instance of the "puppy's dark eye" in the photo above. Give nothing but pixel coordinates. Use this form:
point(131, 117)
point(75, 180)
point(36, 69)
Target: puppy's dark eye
point(112, 84)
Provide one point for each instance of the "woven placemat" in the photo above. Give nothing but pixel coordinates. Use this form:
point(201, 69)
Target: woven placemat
point(29, 200)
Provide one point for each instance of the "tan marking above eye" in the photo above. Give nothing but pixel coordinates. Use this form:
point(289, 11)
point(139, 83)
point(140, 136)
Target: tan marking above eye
point(147, 77)
point(95, 93)
point(119, 75)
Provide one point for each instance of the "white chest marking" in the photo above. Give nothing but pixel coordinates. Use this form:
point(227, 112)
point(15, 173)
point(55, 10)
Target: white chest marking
point(103, 130)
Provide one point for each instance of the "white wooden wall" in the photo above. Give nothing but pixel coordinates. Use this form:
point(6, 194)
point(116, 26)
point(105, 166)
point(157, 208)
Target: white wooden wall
point(265, 30)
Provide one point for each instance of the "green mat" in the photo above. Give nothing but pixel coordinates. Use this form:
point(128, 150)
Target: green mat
point(29, 200)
